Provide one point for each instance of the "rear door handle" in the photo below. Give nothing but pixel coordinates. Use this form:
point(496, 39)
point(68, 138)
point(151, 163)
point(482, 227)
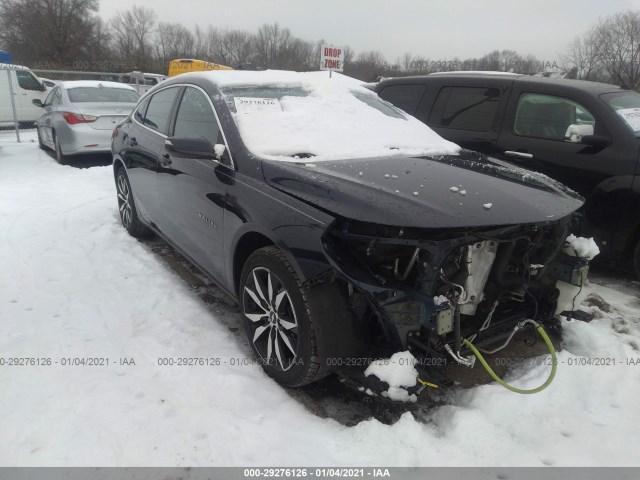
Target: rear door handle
point(133, 142)
point(522, 155)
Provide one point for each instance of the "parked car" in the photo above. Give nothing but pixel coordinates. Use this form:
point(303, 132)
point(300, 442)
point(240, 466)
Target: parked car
point(142, 82)
point(25, 87)
point(342, 226)
point(79, 116)
point(583, 134)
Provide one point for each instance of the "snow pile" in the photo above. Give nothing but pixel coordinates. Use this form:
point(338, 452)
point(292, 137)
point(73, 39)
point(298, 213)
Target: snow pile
point(75, 284)
point(581, 247)
point(398, 372)
point(328, 118)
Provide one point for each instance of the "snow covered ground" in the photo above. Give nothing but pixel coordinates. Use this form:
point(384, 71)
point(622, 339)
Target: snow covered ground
point(74, 284)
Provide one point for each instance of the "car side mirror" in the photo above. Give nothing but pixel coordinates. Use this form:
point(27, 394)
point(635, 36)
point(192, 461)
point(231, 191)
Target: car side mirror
point(190, 147)
point(575, 132)
point(597, 141)
point(37, 102)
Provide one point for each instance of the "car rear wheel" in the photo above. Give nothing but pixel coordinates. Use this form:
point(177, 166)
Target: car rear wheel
point(278, 318)
point(127, 206)
point(60, 157)
point(40, 144)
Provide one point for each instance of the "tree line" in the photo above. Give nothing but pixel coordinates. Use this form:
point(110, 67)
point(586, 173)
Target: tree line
point(69, 35)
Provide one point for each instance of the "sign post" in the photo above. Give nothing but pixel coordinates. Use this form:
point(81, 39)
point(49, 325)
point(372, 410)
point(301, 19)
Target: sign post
point(332, 59)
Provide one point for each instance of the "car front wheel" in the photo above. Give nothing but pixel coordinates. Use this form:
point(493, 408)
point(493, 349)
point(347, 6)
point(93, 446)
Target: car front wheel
point(127, 206)
point(278, 319)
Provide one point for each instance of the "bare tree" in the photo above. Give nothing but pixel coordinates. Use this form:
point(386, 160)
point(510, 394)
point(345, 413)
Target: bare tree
point(272, 44)
point(57, 33)
point(618, 47)
point(132, 32)
point(583, 56)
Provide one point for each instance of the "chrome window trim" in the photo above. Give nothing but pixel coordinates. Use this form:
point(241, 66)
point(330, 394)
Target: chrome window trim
point(213, 108)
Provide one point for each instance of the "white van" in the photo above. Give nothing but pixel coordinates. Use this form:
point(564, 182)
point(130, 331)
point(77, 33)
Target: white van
point(26, 88)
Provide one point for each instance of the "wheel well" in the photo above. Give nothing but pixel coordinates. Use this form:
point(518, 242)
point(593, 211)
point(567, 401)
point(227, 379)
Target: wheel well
point(117, 163)
point(248, 243)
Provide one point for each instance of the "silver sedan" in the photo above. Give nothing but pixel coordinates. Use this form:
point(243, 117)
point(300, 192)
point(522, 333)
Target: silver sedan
point(79, 116)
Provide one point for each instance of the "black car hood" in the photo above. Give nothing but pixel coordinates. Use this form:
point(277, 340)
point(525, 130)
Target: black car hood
point(466, 190)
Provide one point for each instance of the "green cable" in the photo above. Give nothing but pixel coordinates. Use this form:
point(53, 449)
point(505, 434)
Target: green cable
point(554, 365)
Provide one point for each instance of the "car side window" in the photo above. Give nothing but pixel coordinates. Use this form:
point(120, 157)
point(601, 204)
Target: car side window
point(57, 97)
point(405, 97)
point(27, 81)
point(159, 110)
point(196, 117)
point(465, 108)
point(141, 110)
point(552, 118)
point(49, 100)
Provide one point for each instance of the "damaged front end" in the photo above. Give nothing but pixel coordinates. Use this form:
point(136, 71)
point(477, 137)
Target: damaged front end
point(427, 291)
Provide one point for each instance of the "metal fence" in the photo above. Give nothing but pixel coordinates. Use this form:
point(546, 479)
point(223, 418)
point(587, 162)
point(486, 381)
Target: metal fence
point(20, 86)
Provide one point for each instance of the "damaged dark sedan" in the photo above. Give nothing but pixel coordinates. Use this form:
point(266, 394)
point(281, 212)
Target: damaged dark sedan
point(345, 229)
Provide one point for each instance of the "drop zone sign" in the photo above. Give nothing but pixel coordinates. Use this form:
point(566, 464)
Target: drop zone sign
point(332, 58)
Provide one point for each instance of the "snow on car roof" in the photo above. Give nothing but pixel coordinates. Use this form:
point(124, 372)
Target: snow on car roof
point(93, 83)
point(321, 117)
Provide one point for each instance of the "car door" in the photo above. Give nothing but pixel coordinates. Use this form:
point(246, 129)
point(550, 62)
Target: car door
point(543, 131)
point(143, 140)
point(466, 112)
point(49, 109)
point(28, 89)
point(192, 191)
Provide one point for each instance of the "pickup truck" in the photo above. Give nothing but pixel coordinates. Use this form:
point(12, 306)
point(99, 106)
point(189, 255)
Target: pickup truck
point(583, 134)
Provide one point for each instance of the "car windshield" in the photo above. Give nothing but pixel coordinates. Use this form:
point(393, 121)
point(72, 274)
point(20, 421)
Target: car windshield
point(627, 105)
point(102, 94)
point(326, 120)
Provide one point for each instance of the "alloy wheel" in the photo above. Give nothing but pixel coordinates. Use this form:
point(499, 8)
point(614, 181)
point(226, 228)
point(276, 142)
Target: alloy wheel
point(124, 201)
point(273, 325)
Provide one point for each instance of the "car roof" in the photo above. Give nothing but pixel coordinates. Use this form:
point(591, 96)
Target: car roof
point(94, 83)
point(594, 88)
point(230, 78)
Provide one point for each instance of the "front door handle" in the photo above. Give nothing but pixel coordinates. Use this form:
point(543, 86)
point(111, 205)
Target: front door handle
point(522, 155)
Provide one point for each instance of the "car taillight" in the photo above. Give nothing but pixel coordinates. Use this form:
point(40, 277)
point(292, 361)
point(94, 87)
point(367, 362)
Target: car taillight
point(73, 118)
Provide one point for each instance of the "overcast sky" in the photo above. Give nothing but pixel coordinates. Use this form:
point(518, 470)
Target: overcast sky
point(436, 29)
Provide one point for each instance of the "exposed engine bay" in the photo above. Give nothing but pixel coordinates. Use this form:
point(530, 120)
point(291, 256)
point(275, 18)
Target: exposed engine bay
point(432, 292)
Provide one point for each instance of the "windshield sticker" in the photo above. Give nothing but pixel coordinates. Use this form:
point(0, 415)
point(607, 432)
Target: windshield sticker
point(251, 105)
point(632, 117)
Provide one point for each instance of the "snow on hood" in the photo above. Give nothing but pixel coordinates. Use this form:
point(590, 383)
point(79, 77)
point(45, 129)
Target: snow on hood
point(321, 117)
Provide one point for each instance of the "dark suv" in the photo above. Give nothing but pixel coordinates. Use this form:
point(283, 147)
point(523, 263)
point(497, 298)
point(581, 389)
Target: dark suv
point(583, 134)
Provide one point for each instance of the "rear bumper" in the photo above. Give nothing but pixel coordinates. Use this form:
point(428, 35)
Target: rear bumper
point(81, 138)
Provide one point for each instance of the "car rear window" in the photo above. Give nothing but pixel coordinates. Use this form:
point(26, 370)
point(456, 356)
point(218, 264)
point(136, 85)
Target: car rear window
point(465, 108)
point(102, 95)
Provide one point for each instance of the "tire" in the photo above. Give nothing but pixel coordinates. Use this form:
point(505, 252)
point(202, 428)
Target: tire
point(279, 325)
point(61, 158)
point(40, 144)
point(127, 206)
